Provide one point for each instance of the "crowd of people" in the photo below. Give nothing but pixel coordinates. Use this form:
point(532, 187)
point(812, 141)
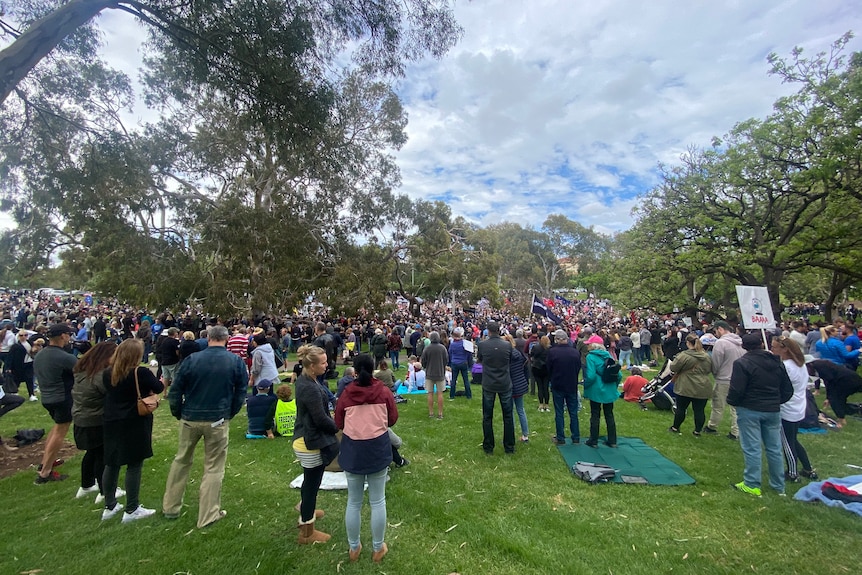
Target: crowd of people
point(84, 360)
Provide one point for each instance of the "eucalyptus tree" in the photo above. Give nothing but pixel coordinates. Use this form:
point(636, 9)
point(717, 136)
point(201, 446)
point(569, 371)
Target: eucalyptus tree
point(277, 120)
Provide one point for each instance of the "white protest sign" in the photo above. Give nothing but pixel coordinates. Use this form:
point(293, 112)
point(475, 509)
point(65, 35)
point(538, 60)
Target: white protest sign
point(755, 307)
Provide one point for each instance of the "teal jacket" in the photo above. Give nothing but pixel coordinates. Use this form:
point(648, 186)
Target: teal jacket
point(594, 388)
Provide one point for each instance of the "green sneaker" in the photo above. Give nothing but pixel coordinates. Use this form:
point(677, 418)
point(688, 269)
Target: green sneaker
point(741, 486)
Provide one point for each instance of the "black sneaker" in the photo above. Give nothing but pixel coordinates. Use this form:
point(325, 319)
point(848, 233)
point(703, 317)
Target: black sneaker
point(591, 443)
point(404, 462)
point(812, 475)
point(53, 476)
point(732, 437)
point(710, 431)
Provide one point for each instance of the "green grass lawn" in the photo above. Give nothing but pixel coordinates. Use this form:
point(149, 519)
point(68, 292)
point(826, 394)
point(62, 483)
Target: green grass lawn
point(453, 509)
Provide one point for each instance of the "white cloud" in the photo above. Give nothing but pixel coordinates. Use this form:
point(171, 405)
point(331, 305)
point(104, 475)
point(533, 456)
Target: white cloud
point(559, 106)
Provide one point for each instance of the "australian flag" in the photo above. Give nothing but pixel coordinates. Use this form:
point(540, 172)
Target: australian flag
point(540, 308)
point(563, 300)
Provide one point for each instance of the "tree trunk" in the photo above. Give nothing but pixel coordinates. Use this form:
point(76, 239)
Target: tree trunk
point(17, 59)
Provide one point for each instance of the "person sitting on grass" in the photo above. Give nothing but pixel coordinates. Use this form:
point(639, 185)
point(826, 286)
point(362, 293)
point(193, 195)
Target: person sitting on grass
point(349, 375)
point(416, 379)
point(633, 385)
point(385, 375)
point(285, 411)
point(261, 409)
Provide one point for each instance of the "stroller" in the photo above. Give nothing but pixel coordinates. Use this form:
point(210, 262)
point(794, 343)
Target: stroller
point(660, 391)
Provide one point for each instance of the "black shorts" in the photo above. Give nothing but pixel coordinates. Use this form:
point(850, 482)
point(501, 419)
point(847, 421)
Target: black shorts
point(60, 412)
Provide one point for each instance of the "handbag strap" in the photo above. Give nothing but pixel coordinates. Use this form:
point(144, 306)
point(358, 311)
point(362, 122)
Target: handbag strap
point(137, 385)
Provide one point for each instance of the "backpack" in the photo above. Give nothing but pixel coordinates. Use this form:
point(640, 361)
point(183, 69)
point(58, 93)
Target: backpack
point(611, 371)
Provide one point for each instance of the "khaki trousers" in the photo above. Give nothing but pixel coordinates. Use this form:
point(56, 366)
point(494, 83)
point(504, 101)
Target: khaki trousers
point(719, 401)
point(215, 455)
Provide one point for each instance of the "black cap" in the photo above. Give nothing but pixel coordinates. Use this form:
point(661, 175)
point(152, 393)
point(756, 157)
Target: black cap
point(59, 329)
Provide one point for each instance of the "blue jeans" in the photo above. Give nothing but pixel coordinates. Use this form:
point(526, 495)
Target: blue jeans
point(377, 500)
point(626, 358)
point(506, 404)
point(566, 400)
point(756, 427)
point(464, 370)
point(393, 358)
point(522, 415)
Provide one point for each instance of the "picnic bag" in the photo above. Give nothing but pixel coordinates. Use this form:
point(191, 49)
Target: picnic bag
point(146, 405)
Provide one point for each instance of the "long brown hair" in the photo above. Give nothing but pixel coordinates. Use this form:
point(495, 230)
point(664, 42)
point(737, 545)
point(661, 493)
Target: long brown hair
point(96, 359)
point(793, 349)
point(126, 358)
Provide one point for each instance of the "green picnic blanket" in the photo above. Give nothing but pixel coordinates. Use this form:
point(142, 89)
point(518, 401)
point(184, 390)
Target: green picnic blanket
point(632, 457)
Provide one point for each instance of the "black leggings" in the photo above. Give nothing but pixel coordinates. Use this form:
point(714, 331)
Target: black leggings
point(311, 479)
point(698, 406)
point(542, 385)
point(93, 467)
point(793, 450)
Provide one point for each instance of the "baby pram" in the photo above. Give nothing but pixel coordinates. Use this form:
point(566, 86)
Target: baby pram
point(659, 390)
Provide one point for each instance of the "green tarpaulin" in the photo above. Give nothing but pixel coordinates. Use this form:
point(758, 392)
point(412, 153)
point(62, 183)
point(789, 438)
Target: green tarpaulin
point(631, 457)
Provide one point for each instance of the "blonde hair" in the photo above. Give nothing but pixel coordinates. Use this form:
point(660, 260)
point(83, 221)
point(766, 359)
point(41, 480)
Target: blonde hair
point(545, 341)
point(188, 335)
point(508, 337)
point(596, 345)
point(827, 332)
point(126, 358)
point(309, 354)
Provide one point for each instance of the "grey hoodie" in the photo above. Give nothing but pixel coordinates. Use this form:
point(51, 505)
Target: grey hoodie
point(726, 350)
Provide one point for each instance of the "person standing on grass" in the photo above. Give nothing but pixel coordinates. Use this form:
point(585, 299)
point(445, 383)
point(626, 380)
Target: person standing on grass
point(53, 368)
point(520, 386)
point(169, 354)
point(208, 391)
point(692, 378)
point(538, 352)
point(88, 407)
point(365, 411)
point(434, 359)
point(564, 365)
point(725, 352)
point(128, 436)
point(495, 355)
point(793, 411)
point(759, 384)
point(315, 444)
point(460, 360)
point(602, 394)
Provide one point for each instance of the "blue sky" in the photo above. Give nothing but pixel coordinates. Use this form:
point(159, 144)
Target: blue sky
point(568, 106)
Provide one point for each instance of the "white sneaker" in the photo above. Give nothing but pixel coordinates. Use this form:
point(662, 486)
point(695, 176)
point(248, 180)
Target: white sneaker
point(138, 513)
point(108, 513)
point(101, 498)
point(34, 398)
point(83, 491)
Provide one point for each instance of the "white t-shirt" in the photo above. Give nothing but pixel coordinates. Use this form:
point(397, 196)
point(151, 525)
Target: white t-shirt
point(8, 341)
point(793, 410)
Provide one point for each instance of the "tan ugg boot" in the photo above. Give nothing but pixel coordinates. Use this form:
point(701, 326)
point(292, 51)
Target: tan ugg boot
point(318, 513)
point(308, 534)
